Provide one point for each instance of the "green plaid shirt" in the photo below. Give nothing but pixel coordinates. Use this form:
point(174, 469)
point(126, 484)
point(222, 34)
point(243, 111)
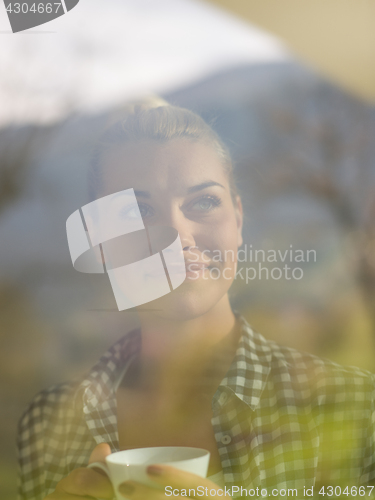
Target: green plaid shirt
point(281, 418)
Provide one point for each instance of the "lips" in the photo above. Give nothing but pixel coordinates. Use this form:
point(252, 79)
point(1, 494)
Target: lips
point(195, 269)
point(195, 266)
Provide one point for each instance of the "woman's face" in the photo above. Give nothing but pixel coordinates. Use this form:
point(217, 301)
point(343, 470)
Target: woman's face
point(183, 184)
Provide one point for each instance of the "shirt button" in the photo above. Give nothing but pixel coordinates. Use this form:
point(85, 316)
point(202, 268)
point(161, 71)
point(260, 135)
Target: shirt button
point(223, 398)
point(226, 439)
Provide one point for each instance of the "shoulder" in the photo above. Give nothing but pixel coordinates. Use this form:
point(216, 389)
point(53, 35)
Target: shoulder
point(66, 399)
point(47, 402)
point(321, 381)
point(306, 376)
point(61, 425)
point(47, 429)
point(299, 362)
point(45, 419)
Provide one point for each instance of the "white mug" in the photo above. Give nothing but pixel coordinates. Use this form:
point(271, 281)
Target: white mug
point(132, 464)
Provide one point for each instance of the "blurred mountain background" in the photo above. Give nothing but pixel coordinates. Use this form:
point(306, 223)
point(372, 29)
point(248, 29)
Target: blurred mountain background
point(304, 155)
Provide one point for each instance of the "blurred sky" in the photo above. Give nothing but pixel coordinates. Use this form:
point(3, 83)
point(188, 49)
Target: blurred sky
point(105, 51)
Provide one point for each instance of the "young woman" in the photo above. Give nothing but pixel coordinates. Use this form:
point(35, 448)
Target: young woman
point(194, 373)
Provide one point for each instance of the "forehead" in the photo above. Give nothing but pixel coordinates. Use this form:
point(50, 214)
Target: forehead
point(172, 166)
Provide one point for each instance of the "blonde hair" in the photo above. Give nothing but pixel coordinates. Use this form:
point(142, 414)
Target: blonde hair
point(154, 119)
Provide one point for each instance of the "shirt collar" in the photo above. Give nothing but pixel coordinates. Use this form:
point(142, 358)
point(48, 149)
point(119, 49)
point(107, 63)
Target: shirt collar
point(246, 377)
point(251, 365)
point(101, 382)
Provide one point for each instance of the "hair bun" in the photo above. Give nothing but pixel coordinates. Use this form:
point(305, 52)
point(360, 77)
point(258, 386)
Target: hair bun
point(134, 106)
point(152, 101)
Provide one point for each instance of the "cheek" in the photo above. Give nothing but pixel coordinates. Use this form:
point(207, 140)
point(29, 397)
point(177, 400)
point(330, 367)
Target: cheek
point(223, 232)
point(220, 239)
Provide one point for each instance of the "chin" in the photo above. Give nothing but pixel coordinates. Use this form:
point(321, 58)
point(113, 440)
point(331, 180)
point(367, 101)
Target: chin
point(186, 302)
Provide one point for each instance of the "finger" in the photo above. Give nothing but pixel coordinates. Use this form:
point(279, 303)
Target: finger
point(99, 453)
point(132, 490)
point(86, 482)
point(137, 491)
point(66, 496)
point(166, 475)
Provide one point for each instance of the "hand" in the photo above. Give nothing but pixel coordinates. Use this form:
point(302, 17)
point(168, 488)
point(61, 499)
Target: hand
point(172, 481)
point(85, 483)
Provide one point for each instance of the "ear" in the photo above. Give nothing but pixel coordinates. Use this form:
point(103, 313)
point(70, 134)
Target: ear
point(239, 219)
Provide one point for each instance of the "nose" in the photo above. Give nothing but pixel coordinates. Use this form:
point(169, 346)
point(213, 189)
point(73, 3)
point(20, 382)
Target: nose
point(187, 245)
point(184, 227)
point(186, 236)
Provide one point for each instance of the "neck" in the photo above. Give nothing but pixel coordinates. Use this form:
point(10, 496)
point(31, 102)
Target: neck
point(177, 355)
point(164, 339)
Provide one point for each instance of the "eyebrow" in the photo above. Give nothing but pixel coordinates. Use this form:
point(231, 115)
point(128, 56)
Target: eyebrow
point(192, 189)
point(204, 185)
point(144, 194)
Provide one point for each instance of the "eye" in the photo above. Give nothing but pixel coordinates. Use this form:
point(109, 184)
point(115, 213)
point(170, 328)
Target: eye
point(133, 211)
point(146, 210)
point(206, 203)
